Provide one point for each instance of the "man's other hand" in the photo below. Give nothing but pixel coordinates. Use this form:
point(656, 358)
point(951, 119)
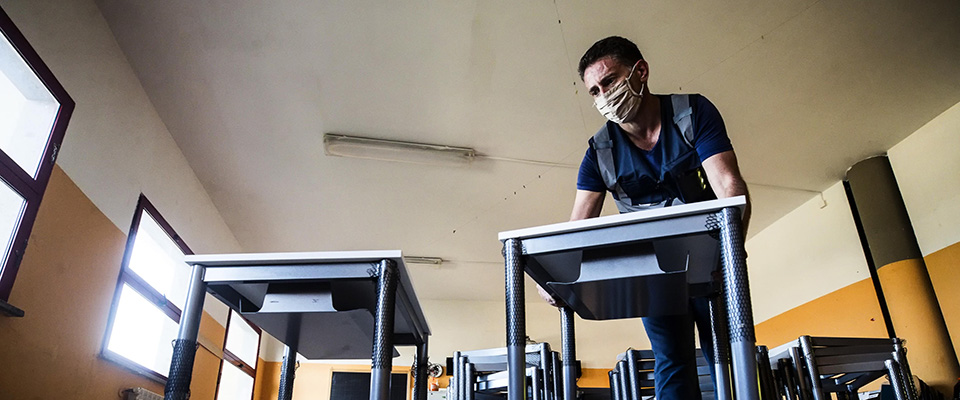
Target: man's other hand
point(547, 297)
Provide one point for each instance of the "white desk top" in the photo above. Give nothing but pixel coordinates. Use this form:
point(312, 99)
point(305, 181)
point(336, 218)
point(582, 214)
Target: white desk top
point(316, 257)
point(626, 219)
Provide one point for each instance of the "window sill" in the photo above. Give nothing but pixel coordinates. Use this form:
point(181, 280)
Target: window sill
point(9, 310)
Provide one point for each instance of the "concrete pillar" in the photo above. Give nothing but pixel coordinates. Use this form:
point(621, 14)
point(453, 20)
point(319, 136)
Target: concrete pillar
point(891, 249)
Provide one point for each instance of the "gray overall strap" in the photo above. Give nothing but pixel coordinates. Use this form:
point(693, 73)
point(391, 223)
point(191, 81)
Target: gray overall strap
point(683, 116)
point(604, 148)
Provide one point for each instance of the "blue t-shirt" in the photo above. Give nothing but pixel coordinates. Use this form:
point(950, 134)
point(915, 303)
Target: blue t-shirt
point(710, 138)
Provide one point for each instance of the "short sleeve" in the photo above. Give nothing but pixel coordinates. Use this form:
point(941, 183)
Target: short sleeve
point(711, 134)
point(589, 176)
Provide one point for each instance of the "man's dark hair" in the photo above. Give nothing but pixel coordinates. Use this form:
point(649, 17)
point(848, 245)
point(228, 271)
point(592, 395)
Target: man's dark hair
point(622, 50)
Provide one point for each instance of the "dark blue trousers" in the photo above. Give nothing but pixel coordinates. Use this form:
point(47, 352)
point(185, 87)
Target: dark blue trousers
point(672, 339)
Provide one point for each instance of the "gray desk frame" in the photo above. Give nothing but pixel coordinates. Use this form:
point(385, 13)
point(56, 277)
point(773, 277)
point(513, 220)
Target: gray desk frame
point(721, 217)
point(393, 289)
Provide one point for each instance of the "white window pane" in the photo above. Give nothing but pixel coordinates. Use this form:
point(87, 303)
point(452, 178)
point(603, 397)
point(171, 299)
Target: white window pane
point(234, 384)
point(11, 210)
point(142, 333)
point(242, 340)
point(27, 110)
point(158, 260)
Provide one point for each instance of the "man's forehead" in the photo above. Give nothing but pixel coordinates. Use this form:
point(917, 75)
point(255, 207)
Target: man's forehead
point(600, 68)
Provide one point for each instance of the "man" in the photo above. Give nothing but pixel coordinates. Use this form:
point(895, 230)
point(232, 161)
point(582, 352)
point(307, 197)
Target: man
point(654, 151)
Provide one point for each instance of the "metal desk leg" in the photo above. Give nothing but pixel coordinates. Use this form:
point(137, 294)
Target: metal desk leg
point(420, 378)
point(633, 381)
point(625, 378)
point(453, 385)
point(185, 346)
point(568, 344)
point(289, 366)
point(739, 310)
point(721, 347)
point(767, 385)
point(535, 387)
point(469, 382)
point(614, 384)
point(463, 383)
point(516, 320)
point(287, 372)
point(546, 371)
point(557, 376)
point(382, 361)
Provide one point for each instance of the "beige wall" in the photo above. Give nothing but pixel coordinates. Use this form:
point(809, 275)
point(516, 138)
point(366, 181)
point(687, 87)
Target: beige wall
point(812, 251)
point(115, 148)
point(927, 167)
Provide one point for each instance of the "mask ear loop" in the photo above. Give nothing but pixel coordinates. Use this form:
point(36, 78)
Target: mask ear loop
point(630, 87)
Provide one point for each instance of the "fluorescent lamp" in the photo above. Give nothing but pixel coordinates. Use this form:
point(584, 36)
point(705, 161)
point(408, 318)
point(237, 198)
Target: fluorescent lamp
point(423, 260)
point(413, 152)
point(394, 150)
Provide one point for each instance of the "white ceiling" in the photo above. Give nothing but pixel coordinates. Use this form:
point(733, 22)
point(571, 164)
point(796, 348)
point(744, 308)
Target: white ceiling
point(247, 89)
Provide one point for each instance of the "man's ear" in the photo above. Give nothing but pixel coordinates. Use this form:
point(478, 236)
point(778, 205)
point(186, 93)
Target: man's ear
point(643, 69)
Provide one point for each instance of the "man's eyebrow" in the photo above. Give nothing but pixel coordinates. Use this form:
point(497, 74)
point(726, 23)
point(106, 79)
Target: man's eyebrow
point(607, 75)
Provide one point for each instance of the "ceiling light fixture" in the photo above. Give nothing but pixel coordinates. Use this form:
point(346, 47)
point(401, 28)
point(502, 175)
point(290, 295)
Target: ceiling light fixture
point(422, 260)
point(412, 152)
point(394, 150)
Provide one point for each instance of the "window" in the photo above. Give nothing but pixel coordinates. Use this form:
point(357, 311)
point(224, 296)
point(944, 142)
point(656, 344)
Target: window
point(34, 110)
point(240, 352)
point(151, 292)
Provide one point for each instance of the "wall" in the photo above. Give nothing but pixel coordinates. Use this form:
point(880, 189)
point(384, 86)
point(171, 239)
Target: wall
point(823, 284)
point(115, 148)
point(66, 285)
point(312, 379)
point(810, 252)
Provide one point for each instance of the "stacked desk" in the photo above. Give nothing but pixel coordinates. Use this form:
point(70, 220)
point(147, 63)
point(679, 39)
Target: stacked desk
point(638, 264)
point(323, 305)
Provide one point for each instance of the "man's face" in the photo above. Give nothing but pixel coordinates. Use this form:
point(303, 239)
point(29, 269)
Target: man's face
point(603, 74)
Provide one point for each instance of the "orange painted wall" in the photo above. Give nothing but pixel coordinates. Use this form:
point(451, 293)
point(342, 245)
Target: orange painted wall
point(317, 379)
point(594, 378)
point(312, 381)
point(65, 286)
point(944, 269)
point(850, 311)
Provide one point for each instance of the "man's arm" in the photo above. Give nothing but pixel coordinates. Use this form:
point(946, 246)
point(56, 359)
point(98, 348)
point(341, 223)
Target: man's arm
point(724, 176)
point(587, 204)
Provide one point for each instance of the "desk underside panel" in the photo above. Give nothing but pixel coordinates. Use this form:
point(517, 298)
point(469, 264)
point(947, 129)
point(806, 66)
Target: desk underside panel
point(331, 320)
point(343, 335)
point(628, 279)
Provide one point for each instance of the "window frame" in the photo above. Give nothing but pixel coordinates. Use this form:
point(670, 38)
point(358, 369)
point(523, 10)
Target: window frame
point(128, 277)
point(229, 357)
point(30, 188)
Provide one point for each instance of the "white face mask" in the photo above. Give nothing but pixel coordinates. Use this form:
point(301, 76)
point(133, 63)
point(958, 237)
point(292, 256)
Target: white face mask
point(621, 102)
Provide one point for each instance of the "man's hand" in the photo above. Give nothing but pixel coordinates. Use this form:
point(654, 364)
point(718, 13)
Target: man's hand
point(724, 176)
point(547, 297)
